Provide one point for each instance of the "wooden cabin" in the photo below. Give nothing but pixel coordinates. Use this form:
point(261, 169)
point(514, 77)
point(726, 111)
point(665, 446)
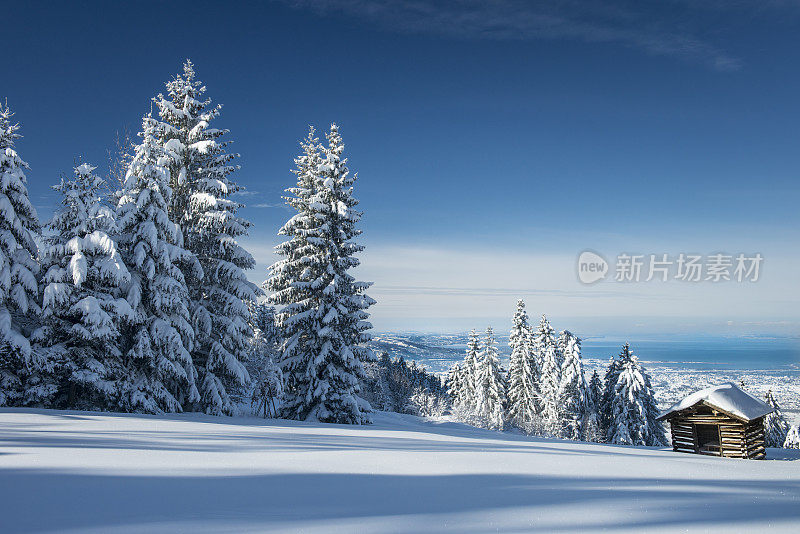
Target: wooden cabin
point(719, 421)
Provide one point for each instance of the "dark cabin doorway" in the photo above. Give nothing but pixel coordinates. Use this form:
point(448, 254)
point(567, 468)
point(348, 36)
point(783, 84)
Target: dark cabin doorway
point(707, 439)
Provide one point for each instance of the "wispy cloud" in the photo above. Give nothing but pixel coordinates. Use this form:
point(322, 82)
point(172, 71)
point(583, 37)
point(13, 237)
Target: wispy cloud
point(627, 23)
point(590, 293)
point(254, 199)
point(246, 193)
point(485, 281)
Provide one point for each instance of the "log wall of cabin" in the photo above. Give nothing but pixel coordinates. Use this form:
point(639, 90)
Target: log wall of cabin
point(737, 439)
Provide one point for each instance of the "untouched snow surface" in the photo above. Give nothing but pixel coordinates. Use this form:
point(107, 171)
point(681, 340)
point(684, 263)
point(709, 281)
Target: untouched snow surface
point(98, 472)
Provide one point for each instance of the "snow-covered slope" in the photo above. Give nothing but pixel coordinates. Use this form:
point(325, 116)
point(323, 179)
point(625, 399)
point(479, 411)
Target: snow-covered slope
point(193, 473)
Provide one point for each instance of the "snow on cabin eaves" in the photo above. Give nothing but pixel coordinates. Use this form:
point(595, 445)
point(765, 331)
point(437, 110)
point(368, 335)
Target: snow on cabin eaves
point(727, 398)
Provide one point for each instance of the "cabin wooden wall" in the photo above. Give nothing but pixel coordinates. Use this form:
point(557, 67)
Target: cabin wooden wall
point(737, 439)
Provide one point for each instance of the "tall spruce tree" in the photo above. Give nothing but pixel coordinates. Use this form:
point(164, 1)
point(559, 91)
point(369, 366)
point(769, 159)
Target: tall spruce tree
point(546, 348)
point(604, 408)
point(291, 283)
point(492, 392)
point(84, 309)
point(574, 397)
point(324, 315)
point(19, 225)
point(455, 385)
point(472, 362)
point(595, 389)
point(629, 423)
point(592, 427)
point(162, 376)
point(523, 372)
point(775, 425)
point(200, 178)
point(658, 435)
point(632, 409)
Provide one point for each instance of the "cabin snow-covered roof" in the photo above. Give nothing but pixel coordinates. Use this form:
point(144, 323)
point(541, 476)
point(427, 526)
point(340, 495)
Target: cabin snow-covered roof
point(727, 398)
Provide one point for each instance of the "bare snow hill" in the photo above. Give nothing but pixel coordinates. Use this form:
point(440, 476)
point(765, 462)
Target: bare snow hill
point(81, 471)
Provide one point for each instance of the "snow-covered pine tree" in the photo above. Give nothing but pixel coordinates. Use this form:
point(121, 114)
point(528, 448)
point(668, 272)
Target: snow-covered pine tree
point(200, 177)
point(658, 435)
point(604, 407)
point(162, 376)
point(290, 281)
point(83, 306)
point(775, 426)
point(792, 440)
point(492, 392)
point(19, 225)
point(455, 385)
point(291, 285)
point(595, 390)
point(592, 430)
point(266, 378)
point(632, 420)
point(323, 318)
point(628, 422)
point(472, 362)
point(574, 396)
point(523, 371)
point(545, 346)
point(385, 393)
point(344, 301)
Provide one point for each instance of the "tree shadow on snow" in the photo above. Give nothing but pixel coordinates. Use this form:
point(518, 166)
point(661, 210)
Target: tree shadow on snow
point(266, 441)
point(34, 500)
point(254, 434)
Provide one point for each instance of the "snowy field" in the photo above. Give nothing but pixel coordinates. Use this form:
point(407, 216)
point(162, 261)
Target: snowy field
point(80, 471)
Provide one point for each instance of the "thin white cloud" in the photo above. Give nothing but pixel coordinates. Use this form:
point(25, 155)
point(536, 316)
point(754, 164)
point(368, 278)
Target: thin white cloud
point(588, 21)
point(455, 288)
point(246, 193)
point(447, 283)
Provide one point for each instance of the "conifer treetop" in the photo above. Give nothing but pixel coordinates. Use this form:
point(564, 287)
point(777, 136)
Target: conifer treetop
point(19, 224)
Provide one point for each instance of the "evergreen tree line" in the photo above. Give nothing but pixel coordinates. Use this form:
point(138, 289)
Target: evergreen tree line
point(137, 298)
point(545, 391)
point(395, 385)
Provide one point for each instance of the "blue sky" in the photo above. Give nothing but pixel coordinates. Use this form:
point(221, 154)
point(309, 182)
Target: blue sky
point(494, 140)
